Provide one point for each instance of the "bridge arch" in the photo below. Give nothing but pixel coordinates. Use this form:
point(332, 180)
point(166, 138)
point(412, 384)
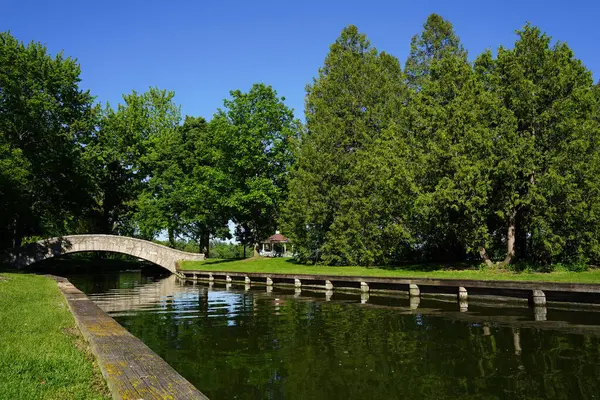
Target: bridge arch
point(158, 254)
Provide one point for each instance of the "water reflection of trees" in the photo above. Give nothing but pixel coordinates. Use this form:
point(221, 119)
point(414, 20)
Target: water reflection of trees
point(310, 350)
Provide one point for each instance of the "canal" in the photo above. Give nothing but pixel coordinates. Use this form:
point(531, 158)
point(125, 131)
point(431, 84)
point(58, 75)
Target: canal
point(234, 343)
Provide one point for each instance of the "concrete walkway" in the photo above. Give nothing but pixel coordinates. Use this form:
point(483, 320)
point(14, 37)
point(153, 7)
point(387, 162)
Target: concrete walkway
point(131, 369)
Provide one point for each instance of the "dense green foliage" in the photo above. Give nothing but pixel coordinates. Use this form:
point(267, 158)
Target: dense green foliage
point(42, 353)
point(338, 212)
point(44, 120)
point(122, 155)
point(251, 138)
point(495, 160)
point(545, 175)
point(67, 166)
point(492, 159)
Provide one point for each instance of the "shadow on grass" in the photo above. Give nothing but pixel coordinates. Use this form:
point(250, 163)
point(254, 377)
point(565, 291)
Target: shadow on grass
point(408, 266)
point(8, 269)
point(218, 261)
point(214, 261)
point(433, 266)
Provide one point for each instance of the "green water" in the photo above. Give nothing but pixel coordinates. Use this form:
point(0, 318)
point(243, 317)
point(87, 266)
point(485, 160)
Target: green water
point(234, 343)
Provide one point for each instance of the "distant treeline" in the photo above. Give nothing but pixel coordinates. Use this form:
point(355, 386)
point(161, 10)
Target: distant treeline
point(493, 158)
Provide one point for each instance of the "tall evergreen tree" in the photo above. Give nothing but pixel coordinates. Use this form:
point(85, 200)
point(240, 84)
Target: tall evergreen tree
point(546, 178)
point(452, 142)
point(437, 40)
point(339, 210)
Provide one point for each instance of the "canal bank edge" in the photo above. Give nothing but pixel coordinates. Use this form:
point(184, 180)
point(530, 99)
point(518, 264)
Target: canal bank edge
point(131, 369)
point(536, 292)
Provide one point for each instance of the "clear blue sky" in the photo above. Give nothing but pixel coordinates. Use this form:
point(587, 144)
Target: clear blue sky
point(203, 49)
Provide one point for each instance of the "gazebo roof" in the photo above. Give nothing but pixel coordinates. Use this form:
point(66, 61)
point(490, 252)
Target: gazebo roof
point(277, 238)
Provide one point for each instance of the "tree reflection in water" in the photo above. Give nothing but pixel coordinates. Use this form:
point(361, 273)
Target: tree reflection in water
point(286, 344)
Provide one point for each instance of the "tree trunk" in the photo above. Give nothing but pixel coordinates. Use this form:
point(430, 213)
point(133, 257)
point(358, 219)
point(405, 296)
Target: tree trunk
point(532, 176)
point(19, 233)
point(255, 253)
point(485, 257)
point(521, 236)
point(105, 223)
point(511, 239)
point(244, 246)
point(13, 241)
point(171, 238)
point(206, 244)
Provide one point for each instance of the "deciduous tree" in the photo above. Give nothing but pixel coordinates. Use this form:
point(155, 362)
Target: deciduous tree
point(126, 154)
point(45, 122)
point(251, 136)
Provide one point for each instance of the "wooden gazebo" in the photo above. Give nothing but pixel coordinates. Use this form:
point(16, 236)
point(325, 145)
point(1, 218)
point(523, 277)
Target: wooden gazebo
point(270, 246)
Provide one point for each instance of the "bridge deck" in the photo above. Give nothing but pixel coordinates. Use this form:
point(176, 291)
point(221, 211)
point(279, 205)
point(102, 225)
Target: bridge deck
point(131, 369)
point(158, 254)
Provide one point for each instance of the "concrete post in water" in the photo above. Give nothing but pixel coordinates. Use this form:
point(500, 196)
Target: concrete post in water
point(297, 292)
point(463, 306)
point(414, 302)
point(328, 294)
point(462, 294)
point(297, 283)
point(328, 285)
point(364, 297)
point(517, 341)
point(269, 281)
point(247, 280)
point(228, 279)
point(194, 277)
point(414, 290)
point(228, 286)
point(539, 313)
point(538, 298)
point(269, 289)
point(247, 287)
point(211, 278)
point(364, 287)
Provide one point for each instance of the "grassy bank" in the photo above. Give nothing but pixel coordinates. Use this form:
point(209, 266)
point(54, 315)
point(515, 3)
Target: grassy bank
point(288, 266)
point(42, 354)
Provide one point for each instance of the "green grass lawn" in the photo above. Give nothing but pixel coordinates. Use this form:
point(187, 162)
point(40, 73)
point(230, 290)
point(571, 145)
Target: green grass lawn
point(42, 353)
point(288, 266)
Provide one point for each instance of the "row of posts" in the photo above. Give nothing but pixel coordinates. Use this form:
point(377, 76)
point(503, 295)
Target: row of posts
point(538, 297)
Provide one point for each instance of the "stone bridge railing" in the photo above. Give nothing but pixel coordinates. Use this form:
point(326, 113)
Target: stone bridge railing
point(158, 254)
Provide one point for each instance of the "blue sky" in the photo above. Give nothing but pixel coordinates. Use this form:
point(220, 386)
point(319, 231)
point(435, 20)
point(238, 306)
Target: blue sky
point(201, 49)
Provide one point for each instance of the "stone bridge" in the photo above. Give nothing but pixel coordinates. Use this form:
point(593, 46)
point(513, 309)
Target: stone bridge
point(158, 254)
